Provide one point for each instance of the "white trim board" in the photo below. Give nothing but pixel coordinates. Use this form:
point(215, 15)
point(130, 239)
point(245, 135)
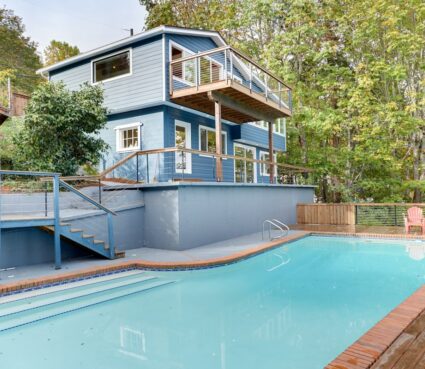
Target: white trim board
point(132, 39)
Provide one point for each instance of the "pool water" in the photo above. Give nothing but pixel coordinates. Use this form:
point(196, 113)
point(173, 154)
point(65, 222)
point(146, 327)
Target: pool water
point(295, 307)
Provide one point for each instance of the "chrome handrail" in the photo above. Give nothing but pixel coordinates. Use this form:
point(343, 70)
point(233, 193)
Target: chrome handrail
point(271, 223)
point(283, 225)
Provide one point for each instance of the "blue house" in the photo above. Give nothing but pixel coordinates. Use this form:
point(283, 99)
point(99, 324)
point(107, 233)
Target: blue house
point(193, 129)
point(185, 89)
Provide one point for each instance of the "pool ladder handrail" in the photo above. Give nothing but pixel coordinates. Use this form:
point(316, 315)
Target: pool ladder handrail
point(278, 225)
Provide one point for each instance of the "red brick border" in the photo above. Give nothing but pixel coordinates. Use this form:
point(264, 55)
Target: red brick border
point(363, 353)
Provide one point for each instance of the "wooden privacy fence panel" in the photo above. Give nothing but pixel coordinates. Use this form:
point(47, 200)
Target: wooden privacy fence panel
point(389, 214)
point(339, 214)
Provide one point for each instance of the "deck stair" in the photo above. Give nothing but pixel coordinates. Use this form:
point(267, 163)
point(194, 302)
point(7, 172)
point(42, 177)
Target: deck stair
point(86, 240)
point(17, 311)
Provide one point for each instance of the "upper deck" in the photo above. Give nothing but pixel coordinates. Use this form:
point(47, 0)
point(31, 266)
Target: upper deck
point(248, 91)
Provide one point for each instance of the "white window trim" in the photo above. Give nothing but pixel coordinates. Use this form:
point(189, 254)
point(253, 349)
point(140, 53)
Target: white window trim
point(122, 127)
point(212, 130)
point(266, 129)
point(174, 44)
point(265, 174)
point(255, 157)
point(130, 57)
point(190, 52)
point(188, 127)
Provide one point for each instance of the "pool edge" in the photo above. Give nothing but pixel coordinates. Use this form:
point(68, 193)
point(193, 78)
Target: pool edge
point(366, 351)
point(47, 281)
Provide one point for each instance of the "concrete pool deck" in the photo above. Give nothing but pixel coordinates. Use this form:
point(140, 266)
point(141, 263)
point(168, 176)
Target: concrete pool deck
point(218, 253)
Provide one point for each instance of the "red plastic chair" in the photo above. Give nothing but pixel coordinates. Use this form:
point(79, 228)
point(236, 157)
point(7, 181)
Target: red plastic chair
point(414, 218)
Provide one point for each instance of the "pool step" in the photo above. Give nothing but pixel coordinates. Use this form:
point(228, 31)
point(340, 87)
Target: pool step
point(74, 301)
point(62, 288)
point(49, 299)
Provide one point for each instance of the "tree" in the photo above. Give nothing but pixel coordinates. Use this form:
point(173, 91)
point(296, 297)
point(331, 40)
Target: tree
point(58, 51)
point(18, 53)
point(8, 130)
point(357, 72)
point(60, 130)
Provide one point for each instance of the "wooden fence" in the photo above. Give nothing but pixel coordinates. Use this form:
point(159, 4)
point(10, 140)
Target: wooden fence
point(341, 214)
point(388, 214)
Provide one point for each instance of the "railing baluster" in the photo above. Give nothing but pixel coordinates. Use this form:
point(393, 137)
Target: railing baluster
point(57, 237)
point(111, 240)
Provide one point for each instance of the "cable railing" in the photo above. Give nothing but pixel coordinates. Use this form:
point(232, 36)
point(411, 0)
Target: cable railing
point(228, 64)
point(188, 165)
point(43, 199)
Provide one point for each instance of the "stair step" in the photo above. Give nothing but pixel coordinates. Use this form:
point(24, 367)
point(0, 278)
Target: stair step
point(71, 286)
point(75, 230)
point(98, 242)
point(47, 301)
point(75, 303)
point(65, 224)
point(88, 235)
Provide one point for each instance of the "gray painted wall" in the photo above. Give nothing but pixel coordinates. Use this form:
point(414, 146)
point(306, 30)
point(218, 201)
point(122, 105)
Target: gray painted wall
point(190, 215)
point(174, 217)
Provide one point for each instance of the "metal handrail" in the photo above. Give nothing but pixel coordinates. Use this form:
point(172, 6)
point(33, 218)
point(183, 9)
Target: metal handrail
point(271, 223)
point(85, 197)
point(283, 225)
point(110, 213)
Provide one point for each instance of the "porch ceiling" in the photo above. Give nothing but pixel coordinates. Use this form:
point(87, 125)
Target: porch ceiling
point(244, 104)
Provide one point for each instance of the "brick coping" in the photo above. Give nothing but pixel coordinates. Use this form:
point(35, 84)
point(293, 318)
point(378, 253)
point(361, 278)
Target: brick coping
point(364, 352)
point(35, 283)
point(400, 236)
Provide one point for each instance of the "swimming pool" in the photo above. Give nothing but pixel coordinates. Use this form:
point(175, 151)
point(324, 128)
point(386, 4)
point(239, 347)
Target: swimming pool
point(295, 307)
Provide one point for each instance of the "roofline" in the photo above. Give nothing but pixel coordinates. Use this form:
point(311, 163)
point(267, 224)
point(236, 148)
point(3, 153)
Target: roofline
point(131, 39)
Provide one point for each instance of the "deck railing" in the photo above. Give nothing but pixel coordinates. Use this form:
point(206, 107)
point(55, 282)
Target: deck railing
point(228, 64)
point(368, 214)
point(44, 199)
point(175, 164)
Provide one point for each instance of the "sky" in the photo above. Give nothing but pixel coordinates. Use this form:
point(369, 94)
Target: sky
point(84, 23)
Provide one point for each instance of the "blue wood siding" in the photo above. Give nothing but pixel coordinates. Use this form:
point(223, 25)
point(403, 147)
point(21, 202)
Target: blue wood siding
point(143, 86)
point(152, 137)
point(252, 135)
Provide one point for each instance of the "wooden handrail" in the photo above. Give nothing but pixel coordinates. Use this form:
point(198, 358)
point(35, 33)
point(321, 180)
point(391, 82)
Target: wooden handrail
point(199, 152)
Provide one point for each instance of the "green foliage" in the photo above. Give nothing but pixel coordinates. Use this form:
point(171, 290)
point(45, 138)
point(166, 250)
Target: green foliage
point(57, 51)
point(8, 129)
point(18, 54)
point(60, 130)
point(358, 74)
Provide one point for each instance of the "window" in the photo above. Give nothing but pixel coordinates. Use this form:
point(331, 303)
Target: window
point(207, 140)
point(244, 170)
point(110, 67)
point(184, 71)
point(128, 137)
point(279, 126)
point(265, 168)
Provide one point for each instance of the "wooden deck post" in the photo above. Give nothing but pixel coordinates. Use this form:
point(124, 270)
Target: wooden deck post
point(271, 156)
point(218, 148)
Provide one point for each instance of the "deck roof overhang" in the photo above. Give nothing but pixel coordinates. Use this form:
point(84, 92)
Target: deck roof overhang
point(239, 103)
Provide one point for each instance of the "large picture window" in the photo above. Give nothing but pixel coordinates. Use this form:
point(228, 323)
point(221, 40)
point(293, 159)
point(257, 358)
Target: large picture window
point(111, 67)
point(207, 140)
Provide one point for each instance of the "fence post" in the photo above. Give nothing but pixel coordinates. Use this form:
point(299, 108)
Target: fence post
point(57, 235)
point(111, 236)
